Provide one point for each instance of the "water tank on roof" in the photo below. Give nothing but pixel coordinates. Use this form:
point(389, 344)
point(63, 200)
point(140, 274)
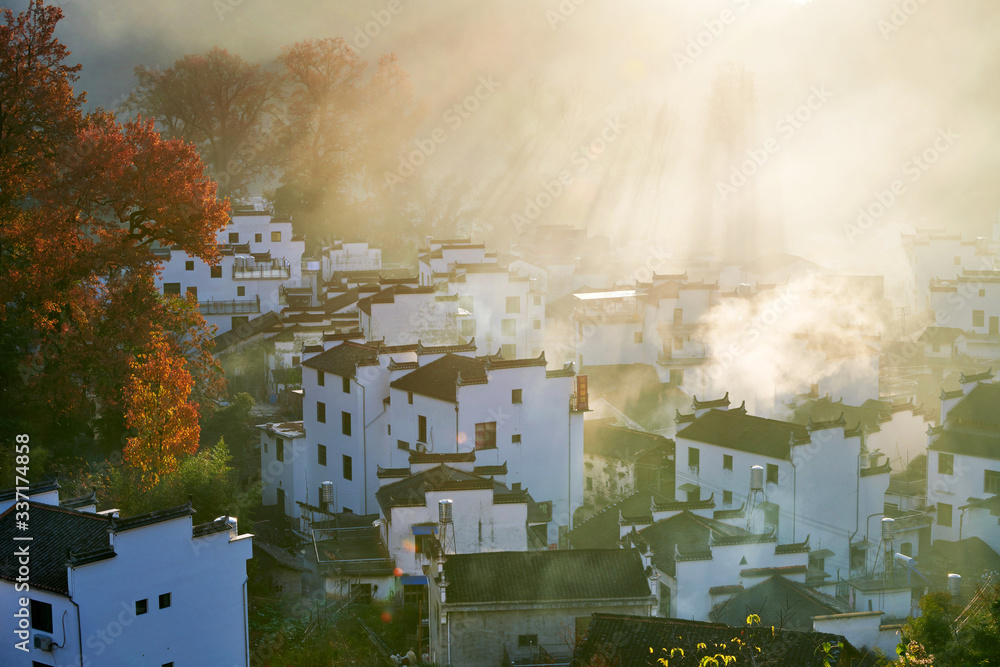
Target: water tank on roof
point(327, 492)
point(888, 526)
point(955, 585)
point(444, 511)
point(756, 478)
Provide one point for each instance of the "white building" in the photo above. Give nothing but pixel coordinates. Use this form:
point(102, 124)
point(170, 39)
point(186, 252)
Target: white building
point(368, 406)
point(98, 589)
point(259, 256)
point(963, 462)
point(441, 257)
point(806, 469)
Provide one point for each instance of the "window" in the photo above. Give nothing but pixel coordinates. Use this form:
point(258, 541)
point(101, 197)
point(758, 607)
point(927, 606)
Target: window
point(944, 514)
point(527, 640)
point(858, 558)
point(468, 327)
point(516, 438)
point(421, 428)
point(265, 446)
point(234, 237)
point(991, 482)
point(727, 497)
point(241, 290)
point(257, 238)
point(637, 337)
point(348, 471)
point(216, 272)
point(694, 457)
point(978, 319)
point(982, 292)
point(409, 397)
point(678, 317)
point(508, 327)
point(727, 462)
point(193, 290)
point(320, 379)
point(486, 435)
point(946, 464)
point(279, 449)
point(515, 396)
point(536, 325)
point(513, 304)
point(41, 616)
point(321, 454)
point(536, 300)
point(296, 360)
point(345, 385)
point(402, 444)
point(772, 473)
point(321, 412)
point(345, 423)
point(189, 265)
point(275, 237)
point(164, 600)
point(141, 607)
point(172, 288)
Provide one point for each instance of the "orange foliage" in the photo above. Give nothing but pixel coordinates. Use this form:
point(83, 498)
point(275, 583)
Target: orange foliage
point(158, 412)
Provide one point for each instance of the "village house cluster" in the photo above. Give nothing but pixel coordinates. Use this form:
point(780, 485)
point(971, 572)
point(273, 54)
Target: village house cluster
point(549, 439)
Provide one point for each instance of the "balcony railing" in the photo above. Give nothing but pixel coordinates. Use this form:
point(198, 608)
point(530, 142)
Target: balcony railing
point(231, 307)
point(277, 269)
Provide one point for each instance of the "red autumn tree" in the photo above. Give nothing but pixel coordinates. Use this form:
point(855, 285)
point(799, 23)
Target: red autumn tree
point(83, 200)
point(159, 414)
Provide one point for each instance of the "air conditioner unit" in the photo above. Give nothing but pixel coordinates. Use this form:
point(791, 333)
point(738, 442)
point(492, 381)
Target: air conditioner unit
point(43, 642)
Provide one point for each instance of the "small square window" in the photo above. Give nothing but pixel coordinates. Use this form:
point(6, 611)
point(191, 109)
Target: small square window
point(172, 288)
point(193, 290)
point(348, 469)
point(321, 454)
point(275, 237)
point(346, 385)
point(513, 304)
point(257, 238)
point(772, 473)
point(320, 378)
point(516, 438)
point(515, 396)
point(296, 360)
point(727, 462)
point(991, 482)
point(234, 237)
point(216, 271)
point(41, 616)
point(946, 463)
point(321, 412)
point(189, 265)
point(241, 290)
point(727, 497)
point(978, 318)
point(164, 600)
point(141, 607)
point(536, 324)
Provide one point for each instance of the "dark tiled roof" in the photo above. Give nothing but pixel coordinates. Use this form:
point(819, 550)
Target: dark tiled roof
point(149, 518)
point(438, 378)
point(970, 558)
point(55, 531)
point(81, 501)
point(717, 403)
point(689, 533)
point(342, 360)
point(411, 490)
point(602, 439)
point(779, 602)
point(969, 444)
point(601, 531)
point(637, 641)
point(980, 408)
point(824, 410)
point(43, 486)
point(746, 433)
point(546, 576)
